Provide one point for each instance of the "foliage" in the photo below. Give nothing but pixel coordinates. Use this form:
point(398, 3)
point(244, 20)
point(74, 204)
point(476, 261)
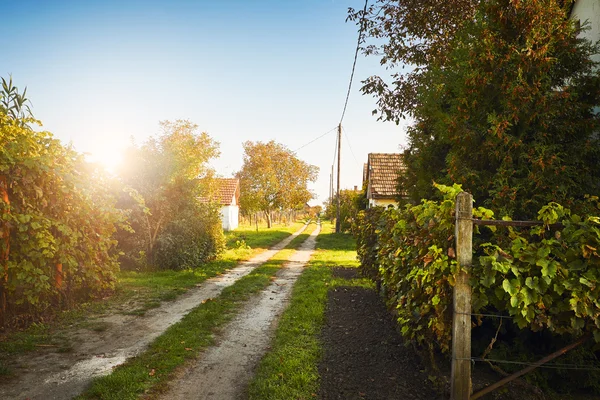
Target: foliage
point(503, 104)
point(315, 211)
point(13, 103)
point(414, 262)
point(58, 220)
point(543, 278)
point(351, 202)
point(415, 33)
point(367, 246)
point(273, 178)
point(165, 179)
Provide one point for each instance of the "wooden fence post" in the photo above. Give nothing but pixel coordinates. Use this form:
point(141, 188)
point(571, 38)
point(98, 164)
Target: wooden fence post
point(460, 379)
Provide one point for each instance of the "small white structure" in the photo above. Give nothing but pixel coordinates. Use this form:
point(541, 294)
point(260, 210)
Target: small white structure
point(380, 174)
point(588, 11)
point(229, 198)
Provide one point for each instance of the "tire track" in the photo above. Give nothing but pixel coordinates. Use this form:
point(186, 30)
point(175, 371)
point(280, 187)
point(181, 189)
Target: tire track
point(224, 370)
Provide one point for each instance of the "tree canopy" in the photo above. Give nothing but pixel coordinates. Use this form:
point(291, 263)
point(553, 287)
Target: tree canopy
point(166, 177)
point(503, 101)
point(414, 35)
point(273, 178)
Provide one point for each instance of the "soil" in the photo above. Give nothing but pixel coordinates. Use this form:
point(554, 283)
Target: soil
point(345, 273)
point(364, 356)
point(63, 375)
point(224, 370)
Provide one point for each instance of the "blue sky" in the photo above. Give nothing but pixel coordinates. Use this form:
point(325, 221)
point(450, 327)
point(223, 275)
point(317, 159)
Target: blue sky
point(100, 72)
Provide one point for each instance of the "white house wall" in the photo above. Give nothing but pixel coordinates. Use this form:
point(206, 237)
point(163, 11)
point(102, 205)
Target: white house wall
point(382, 203)
point(589, 10)
point(229, 217)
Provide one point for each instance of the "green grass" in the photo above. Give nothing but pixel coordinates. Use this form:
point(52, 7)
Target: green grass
point(138, 292)
point(262, 239)
point(289, 370)
point(26, 340)
point(150, 371)
point(36, 337)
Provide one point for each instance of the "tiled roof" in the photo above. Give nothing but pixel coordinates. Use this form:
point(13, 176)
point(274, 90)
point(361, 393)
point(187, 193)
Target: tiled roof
point(383, 171)
point(228, 187)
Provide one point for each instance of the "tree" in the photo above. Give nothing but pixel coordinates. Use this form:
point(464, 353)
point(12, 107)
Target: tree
point(273, 178)
point(508, 112)
point(166, 178)
point(414, 34)
point(351, 202)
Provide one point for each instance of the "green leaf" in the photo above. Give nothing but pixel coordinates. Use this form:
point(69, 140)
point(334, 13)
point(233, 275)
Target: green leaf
point(548, 268)
point(543, 252)
point(510, 286)
point(586, 282)
point(529, 282)
point(529, 296)
point(488, 280)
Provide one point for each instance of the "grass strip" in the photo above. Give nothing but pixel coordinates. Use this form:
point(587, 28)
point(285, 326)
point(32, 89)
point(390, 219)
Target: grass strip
point(290, 369)
point(150, 371)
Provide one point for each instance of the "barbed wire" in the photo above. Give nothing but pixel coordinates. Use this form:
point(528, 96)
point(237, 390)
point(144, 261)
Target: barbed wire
point(538, 365)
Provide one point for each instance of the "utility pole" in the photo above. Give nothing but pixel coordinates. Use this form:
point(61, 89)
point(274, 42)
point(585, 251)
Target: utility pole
point(337, 218)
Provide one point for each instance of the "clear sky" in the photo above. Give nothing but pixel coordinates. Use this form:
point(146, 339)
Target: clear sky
point(100, 72)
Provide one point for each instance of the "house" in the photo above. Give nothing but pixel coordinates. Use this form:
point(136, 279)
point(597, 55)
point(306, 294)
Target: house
point(228, 196)
point(380, 174)
point(588, 11)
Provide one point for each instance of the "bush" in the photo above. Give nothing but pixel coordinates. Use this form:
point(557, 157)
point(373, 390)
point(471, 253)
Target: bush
point(366, 227)
point(192, 240)
point(544, 279)
point(163, 182)
point(57, 222)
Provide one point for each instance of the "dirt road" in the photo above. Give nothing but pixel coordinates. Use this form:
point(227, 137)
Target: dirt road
point(224, 371)
point(53, 375)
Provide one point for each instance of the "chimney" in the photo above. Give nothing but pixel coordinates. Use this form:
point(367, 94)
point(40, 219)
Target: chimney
point(355, 188)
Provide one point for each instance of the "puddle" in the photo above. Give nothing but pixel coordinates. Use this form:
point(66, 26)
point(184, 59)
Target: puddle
point(224, 371)
point(59, 376)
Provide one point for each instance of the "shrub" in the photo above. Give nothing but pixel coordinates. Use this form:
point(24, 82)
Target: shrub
point(542, 278)
point(57, 222)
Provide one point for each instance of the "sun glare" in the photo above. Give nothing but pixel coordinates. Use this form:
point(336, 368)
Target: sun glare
point(109, 158)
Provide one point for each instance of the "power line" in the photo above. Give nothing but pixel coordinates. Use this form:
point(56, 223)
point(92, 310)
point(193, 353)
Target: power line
point(315, 139)
point(350, 146)
point(360, 32)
